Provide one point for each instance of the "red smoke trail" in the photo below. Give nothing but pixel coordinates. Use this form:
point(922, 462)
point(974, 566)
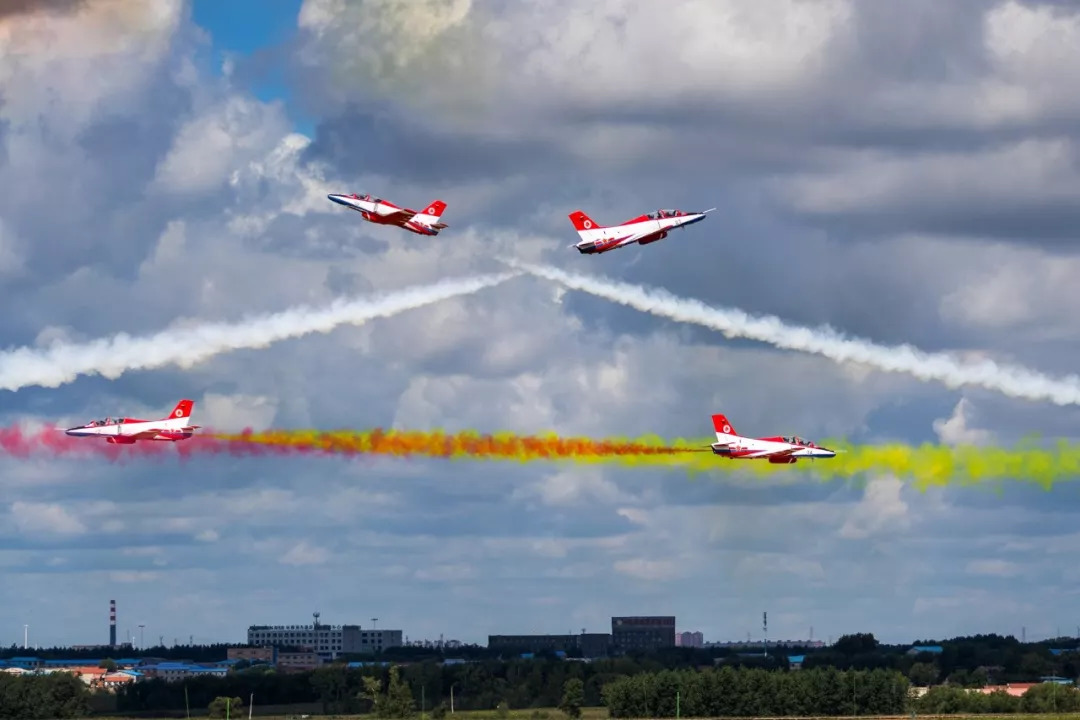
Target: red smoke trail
point(50, 441)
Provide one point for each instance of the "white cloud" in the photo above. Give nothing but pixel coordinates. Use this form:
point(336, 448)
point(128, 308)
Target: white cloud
point(73, 64)
point(453, 572)
point(652, 570)
point(575, 486)
point(211, 144)
point(993, 568)
point(37, 517)
point(955, 430)
point(882, 510)
point(234, 413)
point(305, 553)
point(134, 576)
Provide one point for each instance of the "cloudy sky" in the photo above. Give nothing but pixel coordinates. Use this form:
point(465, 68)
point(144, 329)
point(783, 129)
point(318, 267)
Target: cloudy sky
point(904, 172)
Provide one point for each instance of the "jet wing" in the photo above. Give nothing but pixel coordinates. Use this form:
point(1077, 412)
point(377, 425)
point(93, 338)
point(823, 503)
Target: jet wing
point(783, 453)
point(144, 435)
point(398, 212)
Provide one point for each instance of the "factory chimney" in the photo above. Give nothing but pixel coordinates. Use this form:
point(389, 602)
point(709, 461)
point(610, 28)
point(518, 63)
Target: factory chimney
point(112, 623)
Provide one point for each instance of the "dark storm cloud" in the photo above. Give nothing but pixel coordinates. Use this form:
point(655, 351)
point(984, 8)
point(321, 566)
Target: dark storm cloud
point(923, 52)
point(1051, 222)
point(107, 222)
point(24, 7)
point(290, 235)
point(393, 145)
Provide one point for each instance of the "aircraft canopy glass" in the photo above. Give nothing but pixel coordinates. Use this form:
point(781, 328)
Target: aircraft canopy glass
point(795, 440)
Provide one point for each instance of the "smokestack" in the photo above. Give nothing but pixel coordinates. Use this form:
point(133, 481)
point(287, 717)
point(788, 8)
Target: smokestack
point(112, 623)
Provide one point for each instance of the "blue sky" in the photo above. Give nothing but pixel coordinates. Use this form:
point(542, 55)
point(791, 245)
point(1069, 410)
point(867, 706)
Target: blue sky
point(902, 176)
point(250, 32)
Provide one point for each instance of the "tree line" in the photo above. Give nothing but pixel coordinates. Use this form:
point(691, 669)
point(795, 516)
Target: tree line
point(490, 682)
point(34, 697)
point(967, 661)
point(628, 691)
point(753, 692)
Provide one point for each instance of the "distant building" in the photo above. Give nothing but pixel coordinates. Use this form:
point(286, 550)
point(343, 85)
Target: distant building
point(266, 654)
point(920, 649)
point(298, 660)
point(173, 671)
point(642, 632)
point(591, 645)
point(737, 644)
point(690, 639)
point(328, 641)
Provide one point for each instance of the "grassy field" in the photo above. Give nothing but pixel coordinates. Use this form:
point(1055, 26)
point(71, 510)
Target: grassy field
point(594, 714)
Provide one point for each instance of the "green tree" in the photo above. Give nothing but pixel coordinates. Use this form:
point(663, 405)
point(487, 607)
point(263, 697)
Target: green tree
point(856, 644)
point(226, 707)
point(109, 664)
point(399, 702)
point(923, 674)
point(573, 697)
point(502, 710)
point(372, 692)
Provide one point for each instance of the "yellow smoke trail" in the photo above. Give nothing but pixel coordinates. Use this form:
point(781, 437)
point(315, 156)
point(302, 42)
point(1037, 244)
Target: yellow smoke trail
point(925, 466)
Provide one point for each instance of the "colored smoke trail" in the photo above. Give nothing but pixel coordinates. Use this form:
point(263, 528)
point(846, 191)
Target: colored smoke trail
point(186, 347)
point(1011, 380)
point(16, 442)
point(924, 466)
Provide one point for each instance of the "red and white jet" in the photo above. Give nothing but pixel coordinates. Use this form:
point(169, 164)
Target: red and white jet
point(125, 431)
point(381, 212)
point(778, 450)
point(645, 229)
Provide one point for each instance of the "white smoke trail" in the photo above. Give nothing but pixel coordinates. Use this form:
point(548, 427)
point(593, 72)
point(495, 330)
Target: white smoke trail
point(1012, 380)
point(185, 347)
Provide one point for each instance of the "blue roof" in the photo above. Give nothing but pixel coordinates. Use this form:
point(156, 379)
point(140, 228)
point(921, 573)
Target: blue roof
point(1055, 679)
point(795, 658)
point(84, 663)
point(184, 666)
point(927, 648)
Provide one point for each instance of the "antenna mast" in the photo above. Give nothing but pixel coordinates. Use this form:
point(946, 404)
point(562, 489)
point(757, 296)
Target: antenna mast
point(765, 632)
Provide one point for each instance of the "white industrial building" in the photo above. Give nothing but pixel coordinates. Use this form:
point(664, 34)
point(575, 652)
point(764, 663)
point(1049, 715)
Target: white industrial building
point(327, 641)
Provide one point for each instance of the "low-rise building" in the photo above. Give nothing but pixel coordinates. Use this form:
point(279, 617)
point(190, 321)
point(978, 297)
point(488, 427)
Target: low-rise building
point(253, 654)
point(328, 641)
point(643, 632)
point(590, 645)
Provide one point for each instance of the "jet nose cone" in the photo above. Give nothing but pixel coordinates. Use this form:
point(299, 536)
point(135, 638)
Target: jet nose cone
point(71, 431)
point(334, 197)
point(825, 452)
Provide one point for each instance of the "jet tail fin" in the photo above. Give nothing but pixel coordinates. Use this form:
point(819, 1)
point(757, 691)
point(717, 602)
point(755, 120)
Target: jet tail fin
point(583, 223)
point(430, 216)
point(180, 414)
point(433, 211)
point(722, 426)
